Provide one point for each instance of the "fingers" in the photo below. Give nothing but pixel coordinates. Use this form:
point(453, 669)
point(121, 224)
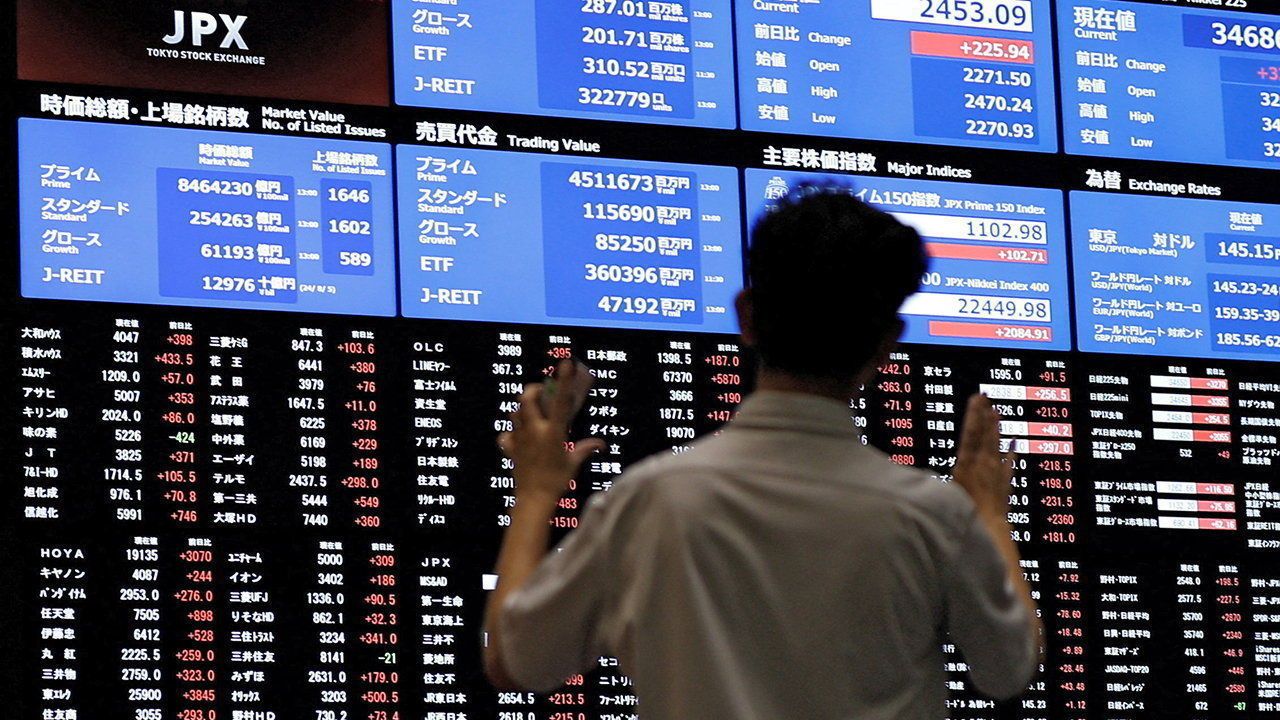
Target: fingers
point(562, 402)
point(990, 427)
point(530, 409)
point(563, 398)
point(584, 449)
point(988, 424)
point(978, 424)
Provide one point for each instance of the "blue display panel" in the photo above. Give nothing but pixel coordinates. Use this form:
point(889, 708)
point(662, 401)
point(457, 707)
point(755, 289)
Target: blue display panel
point(188, 217)
point(667, 62)
point(512, 237)
point(973, 72)
point(1175, 276)
point(998, 274)
point(1170, 83)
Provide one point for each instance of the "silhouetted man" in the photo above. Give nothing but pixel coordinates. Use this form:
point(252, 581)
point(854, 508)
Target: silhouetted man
point(783, 568)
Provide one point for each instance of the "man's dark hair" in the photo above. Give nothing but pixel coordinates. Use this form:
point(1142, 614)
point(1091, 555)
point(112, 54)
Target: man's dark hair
point(827, 274)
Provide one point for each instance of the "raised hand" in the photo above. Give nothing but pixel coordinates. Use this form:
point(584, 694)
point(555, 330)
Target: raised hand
point(981, 469)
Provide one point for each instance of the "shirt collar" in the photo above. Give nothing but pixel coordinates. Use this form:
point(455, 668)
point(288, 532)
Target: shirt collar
point(798, 412)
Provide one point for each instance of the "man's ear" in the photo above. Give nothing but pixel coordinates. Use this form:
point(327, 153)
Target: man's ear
point(746, 317)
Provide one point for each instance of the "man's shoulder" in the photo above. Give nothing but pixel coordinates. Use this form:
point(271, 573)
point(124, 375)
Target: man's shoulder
point(662, 475)
point(660, 468)
point(864, 470)
point(944, 503)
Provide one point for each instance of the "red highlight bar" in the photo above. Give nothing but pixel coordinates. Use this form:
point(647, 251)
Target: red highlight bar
point(1215, 489)
point(1210, 419)
point(1216, 523)
point(1212, 401)
point(983, 331)
point(1216, 506)
point(1049, 394)
point(1211, 436)
point(972, 47)
point(1210, 384)
point(1062, 430)
point(953, 251)
point(1051, 447)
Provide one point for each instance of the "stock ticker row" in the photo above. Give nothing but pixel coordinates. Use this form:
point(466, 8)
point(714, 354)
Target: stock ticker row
point(159, 215)
point(977, 73)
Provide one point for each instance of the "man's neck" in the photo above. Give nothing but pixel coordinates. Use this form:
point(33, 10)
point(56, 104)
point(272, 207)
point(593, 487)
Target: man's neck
point(777, 381)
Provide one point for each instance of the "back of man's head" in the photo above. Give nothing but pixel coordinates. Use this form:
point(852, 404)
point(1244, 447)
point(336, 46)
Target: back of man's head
point(827, 275)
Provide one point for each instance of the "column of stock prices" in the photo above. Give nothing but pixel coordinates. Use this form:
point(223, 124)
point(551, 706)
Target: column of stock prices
point(240, 220)
point(998, 273)
point(619, 243)
point(1170, 82)
point(970, 73)
point(661, 62)
point(279, 273)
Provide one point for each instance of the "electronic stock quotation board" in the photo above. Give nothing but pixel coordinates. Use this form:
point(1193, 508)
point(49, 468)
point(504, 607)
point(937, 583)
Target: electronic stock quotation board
point(278, 271)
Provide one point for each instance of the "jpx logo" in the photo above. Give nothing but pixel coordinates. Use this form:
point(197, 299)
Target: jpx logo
point(205, 24)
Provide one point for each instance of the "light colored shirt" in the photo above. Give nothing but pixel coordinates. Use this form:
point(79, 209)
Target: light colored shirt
point(781, 569)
